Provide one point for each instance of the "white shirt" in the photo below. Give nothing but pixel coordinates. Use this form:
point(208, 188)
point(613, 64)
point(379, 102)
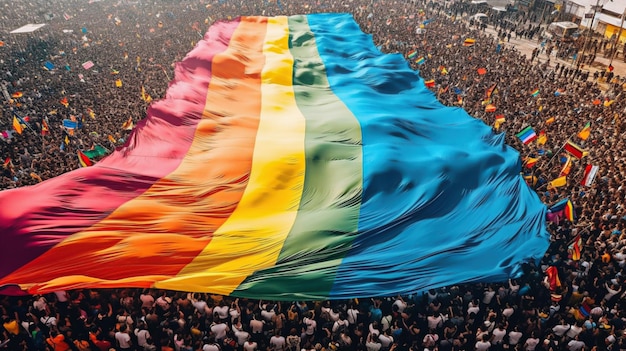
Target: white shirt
point(219, 330)
point(575, 345)
point(40, 303)
point(250, 346)
point(373, 346)
point(352, 315)
point(210, 347)
point(488, 296)
point(573, 331)
point(339, 324)
point(385, 322)
point(498, 335)
point(48, 321)
point(531, 344)
point(560, 329)
point(278, 342)
point(434, 322)
point(514, 337)
point(234, 314)
point(142, 336)
point(482, 345)
point(385, 340)
point(472, 309)
point(401, 305)
point(200, 306)
point(242, 336)
point(221, 311)
point(508, 312)
point(123, 339)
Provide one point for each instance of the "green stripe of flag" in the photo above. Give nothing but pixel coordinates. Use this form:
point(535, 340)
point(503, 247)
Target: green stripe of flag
point(328, 216)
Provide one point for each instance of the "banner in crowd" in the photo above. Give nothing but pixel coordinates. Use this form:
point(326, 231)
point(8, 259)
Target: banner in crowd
point(281, 168)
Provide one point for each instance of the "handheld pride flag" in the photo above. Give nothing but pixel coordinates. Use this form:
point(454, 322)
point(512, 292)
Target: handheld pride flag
point(527, 135)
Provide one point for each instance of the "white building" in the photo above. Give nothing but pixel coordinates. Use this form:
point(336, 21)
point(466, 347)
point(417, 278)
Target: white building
point(603, 16)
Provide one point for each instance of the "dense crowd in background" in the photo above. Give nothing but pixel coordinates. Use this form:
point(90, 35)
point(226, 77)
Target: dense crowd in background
point(136, 43)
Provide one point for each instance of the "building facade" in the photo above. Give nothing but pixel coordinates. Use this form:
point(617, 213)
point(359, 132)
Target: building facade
point(604, 17)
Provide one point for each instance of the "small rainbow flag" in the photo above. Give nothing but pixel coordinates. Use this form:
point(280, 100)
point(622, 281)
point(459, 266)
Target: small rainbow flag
point(527, 135)
point(535, 93)
point(412, 54)
point(420, 60)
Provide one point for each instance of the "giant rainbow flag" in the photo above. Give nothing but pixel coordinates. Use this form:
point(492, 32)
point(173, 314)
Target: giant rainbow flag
point(289, 160)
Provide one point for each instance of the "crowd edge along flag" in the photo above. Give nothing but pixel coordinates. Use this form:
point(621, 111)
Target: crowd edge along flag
point(278, 167)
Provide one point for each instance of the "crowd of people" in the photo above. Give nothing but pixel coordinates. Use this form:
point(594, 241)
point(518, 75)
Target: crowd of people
point(133, 45)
